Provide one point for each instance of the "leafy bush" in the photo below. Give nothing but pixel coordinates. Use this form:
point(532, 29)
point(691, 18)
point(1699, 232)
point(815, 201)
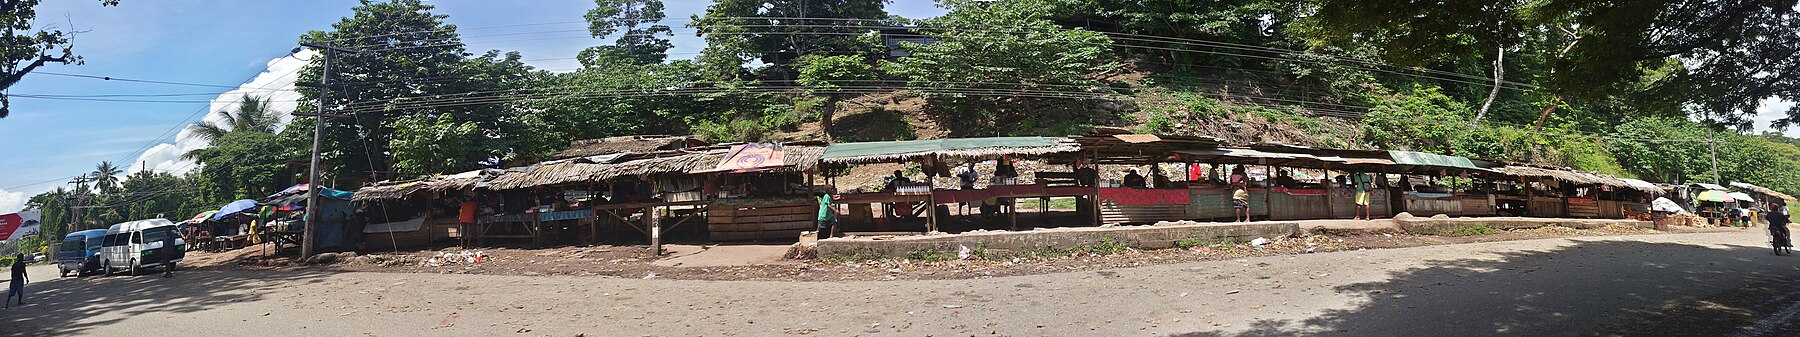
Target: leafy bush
point(1468, 231)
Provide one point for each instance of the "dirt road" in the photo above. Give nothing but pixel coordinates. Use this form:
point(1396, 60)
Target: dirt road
point(1582, 286)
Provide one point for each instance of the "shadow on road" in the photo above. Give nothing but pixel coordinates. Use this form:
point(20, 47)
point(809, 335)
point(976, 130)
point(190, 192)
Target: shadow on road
point(1591, 288)
point(67, 306)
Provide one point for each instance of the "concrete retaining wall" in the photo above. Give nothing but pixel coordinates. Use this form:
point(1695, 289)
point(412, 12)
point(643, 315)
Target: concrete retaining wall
point(1163, 235)
point(1437, 225)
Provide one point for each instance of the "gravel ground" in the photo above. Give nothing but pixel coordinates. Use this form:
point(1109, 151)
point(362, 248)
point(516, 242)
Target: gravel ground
point(1540, 287)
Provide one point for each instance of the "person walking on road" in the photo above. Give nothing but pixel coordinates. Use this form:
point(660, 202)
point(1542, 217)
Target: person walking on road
point(1778, 232)
point(828, 217)
point(169, 253)
point(17, 287)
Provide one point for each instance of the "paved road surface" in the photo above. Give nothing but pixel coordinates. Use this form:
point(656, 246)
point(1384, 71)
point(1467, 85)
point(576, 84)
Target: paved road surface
point(1521, 288)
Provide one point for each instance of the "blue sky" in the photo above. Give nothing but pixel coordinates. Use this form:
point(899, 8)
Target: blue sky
point(230, 43)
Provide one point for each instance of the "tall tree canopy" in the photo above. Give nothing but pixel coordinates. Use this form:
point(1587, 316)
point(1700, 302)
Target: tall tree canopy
point(776, 32)
point(643, 41)
point(1731, 54)
point(253, 114)
point(983, 48)
point(24, 48)
point(412, 64)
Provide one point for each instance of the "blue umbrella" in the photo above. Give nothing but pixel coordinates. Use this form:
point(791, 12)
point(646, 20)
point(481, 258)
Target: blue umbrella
point(234, 208)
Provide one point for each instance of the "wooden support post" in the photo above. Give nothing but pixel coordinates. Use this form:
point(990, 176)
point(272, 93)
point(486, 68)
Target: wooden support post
point(427, 225)
point(537, 230)
point(1012, 213)
point(1094, 201)
point(650, 221)
point(1530, 193)
point(1268, 193)
point(931, 216)
point(1327, 182)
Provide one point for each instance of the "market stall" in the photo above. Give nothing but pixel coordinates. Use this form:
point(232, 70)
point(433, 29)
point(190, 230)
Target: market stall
point(1144, 178)
point(582, 199)
point(986, 180)
point(1433, 184)
point(419, 212)
point(759, 191)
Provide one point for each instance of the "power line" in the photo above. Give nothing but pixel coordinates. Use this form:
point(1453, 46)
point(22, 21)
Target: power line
point(110, 78)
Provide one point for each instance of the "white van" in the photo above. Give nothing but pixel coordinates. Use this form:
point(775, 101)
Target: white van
point(137, 245)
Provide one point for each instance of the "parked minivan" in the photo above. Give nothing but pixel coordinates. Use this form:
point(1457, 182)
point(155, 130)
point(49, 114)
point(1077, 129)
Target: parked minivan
point(137, 245)
point(80, 252)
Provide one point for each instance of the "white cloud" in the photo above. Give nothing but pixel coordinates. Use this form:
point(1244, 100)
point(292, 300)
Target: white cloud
point(1771, 109)
point(276, 83)
point(11, 202)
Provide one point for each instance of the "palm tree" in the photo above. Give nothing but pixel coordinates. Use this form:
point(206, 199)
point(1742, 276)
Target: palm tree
point(106, 175)
point(253, 114)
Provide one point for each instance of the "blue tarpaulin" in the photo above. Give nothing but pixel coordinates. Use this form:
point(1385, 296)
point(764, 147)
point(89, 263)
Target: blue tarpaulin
point(234, 208)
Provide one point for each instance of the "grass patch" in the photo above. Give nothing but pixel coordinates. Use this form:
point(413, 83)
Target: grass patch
point(857, 257)
point(1062, 203)
point(1198, 242)
point(929, 256)
point(1468, 231)
point(1109, 246)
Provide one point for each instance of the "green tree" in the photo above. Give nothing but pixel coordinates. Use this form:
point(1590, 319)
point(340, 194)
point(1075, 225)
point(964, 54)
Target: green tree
point(25, 47)
point(646, 45)
point(419, 140)
point(106, 176)
point(1594, 49)
point(1031, 59)
point(55, 207)
point(1664, 160)
point(149, 194)
point(241, 165)
point(830, 76)
point(412, 64)
point(253, 114)
point(738, 31)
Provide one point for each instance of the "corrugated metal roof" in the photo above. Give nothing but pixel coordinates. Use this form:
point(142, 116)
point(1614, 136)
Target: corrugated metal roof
point(1431, 159)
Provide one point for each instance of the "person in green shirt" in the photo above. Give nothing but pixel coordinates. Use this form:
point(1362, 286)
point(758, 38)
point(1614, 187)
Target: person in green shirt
point(827, 222)
point(1362, 182)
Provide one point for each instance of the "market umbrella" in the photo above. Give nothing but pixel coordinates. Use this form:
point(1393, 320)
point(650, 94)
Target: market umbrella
point(290, 190)
point(202, 216)
point(1666, 205)
point(1740, 196)
point(234, 208)
point(1715, 196)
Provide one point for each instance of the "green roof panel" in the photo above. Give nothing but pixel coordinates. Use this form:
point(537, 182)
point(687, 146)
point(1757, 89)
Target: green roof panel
point(1429, 159)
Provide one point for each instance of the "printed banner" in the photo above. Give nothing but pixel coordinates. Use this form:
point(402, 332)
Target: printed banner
point(752, 157)
point(20, 225)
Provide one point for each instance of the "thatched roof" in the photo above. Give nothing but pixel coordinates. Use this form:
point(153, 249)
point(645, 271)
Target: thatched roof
point(1570, 176)
point(387, 191)
point(627, 144)
point(1763, 190)
point(395, 190)
point(569, 171)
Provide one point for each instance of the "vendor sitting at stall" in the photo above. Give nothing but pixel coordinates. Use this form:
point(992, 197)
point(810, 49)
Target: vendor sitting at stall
point(1159, 178)
point(967, 176)
point(1286, 179)
point(1086, 175)
point(1133, 179)
point(1004, 168)
point(893, 182)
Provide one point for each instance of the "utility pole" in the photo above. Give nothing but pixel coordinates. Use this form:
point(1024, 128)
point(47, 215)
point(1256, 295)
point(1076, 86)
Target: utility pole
point(309, 234)
point(1712, 143)
point(75, 202)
